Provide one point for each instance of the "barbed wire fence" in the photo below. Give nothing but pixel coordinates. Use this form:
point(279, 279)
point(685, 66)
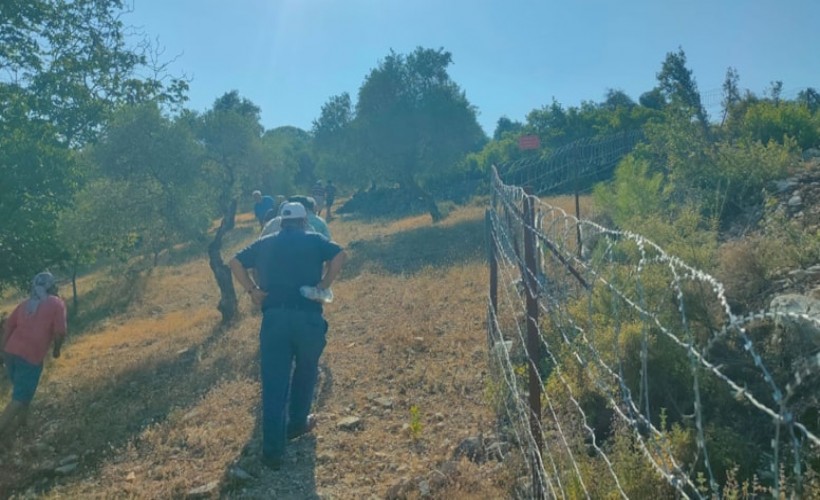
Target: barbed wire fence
point(622, 370)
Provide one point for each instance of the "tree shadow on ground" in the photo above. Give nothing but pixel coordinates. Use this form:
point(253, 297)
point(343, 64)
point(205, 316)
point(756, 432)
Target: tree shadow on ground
point(378, 217)
point(296, 478)
point(112, 296)
point(92, 421)
point(410, 251)
point(119, 289)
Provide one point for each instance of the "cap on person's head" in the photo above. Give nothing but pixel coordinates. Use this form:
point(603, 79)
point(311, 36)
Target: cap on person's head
point(257, 193)
point(292, 210)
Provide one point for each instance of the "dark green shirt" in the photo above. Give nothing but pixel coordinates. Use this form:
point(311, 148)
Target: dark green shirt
point(286, 261)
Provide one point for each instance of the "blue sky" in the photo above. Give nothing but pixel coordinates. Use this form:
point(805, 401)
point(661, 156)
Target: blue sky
point(290, 56)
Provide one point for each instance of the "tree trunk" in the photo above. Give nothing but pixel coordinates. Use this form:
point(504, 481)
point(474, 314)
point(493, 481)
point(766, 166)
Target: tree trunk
point(74, 302)
point(222, 273)
point(432, 207)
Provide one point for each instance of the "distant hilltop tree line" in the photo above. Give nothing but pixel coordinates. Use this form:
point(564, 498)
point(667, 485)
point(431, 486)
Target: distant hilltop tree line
point(101, 162)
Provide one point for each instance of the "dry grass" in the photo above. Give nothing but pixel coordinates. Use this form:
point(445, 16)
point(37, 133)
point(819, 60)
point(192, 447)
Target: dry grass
point(567, 204)
point(156, 399)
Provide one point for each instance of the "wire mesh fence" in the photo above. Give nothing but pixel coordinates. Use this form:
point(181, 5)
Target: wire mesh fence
point(623, 372)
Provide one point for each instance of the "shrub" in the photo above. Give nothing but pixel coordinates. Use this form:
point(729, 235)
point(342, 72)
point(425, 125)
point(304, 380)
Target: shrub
point(743, 271)
point(633, 194)
point(741, 170)
point(767, 121)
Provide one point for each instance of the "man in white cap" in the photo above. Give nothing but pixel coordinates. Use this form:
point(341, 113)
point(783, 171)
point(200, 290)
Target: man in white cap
point(292, 334)
point(315, 223)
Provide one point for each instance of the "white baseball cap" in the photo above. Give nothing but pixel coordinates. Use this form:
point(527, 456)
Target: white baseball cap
point(292, 210)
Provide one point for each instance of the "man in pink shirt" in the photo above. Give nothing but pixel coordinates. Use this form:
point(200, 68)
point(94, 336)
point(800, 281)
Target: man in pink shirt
point(29, 331)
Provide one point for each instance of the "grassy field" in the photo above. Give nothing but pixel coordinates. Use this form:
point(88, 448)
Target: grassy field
point(155, 400)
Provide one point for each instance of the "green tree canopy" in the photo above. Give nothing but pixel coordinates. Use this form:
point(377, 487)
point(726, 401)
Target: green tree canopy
point(63, 67)
point(678, 86)
point(766, 121)
point(38, 176)
point(71, 63)
point(158, 162)
point(557, 126)
point(333, 140)
point(286, 159)
point(506, 126)
point(413, 122)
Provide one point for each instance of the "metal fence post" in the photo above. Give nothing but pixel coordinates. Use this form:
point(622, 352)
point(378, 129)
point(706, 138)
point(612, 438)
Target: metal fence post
point(533, 342)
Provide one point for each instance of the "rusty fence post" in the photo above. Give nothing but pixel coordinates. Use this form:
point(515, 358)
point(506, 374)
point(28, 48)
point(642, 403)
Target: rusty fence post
point(493, 260)
point(533, 342)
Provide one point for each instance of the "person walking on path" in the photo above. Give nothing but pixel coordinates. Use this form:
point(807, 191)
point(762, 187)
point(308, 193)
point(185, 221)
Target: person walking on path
point(330, 197)
point(29, 331)
point(315, 223)
point(318, 193)
point(261, 206)
point(293, 332)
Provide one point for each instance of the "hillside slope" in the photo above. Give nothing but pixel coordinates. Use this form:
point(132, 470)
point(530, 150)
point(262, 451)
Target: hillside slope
point(153, 399)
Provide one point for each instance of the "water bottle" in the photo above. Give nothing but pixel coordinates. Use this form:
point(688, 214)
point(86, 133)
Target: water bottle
point(318, 294)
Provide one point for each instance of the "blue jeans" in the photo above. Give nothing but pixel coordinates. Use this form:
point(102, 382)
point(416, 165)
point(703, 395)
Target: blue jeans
point(290, 344)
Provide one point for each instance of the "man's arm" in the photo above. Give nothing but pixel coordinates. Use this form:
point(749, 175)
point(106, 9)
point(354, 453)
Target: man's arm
point(58, 346)
point(332, 270)
point(245, 281)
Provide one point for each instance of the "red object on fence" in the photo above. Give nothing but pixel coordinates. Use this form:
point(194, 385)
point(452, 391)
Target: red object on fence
point(529, 142)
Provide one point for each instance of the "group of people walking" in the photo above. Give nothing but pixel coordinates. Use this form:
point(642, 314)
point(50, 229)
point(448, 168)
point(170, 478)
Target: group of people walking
point(321, 198)
point(294, 256)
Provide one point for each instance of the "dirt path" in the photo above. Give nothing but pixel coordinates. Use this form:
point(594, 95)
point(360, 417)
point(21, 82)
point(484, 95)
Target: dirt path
point(157, 402)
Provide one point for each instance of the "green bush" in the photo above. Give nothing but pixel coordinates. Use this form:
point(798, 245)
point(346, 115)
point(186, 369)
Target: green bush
point(678, 171)
point(633, 194)
point(767, 121)
point(743, 169)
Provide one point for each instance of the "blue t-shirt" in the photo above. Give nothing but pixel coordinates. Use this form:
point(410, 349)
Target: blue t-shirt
point(286, 261)
point(318, 225)
point(261, 207)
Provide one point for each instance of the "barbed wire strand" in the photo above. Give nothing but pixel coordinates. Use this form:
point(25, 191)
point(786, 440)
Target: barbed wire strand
point(573, 399)
point(548, 235)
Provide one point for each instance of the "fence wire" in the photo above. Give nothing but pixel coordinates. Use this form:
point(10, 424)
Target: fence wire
point(648, 380)
point(574, 166)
